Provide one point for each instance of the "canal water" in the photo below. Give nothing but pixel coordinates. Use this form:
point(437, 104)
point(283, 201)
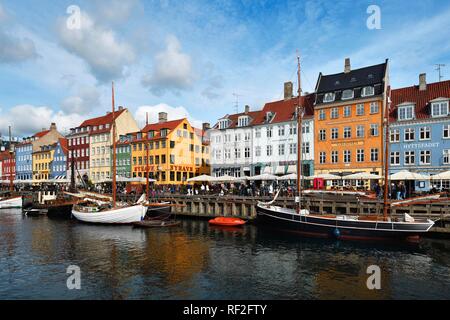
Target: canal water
point(197, 261)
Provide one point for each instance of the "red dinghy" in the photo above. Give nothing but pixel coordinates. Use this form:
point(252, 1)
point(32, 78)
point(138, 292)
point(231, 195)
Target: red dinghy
point(227, 221)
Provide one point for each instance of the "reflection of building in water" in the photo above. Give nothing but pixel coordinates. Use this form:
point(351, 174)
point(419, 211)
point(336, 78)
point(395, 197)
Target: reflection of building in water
point(346, 278)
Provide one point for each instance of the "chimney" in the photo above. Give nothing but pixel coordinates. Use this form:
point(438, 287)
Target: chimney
point(347, 67)
point(422, 82)
point(162, 117)
point(206, 126)
point(247, 109)
point(120, 108)
point(288, 87)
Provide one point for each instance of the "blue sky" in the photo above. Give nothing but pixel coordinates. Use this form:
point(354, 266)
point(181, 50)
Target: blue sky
point(189, 57)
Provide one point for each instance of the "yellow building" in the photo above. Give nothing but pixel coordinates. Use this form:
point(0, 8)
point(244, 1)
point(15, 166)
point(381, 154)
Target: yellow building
point(177, 151)
point(41, 163)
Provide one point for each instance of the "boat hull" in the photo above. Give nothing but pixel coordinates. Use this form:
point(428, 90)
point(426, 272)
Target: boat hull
point(62, 211)
point(11, 203)
point(158, 211)
point(315, 226)
point(126, 215)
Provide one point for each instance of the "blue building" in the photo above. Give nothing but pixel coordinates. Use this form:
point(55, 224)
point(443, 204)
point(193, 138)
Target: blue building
point(420, 131)
point(24, 160)
point(58, 167)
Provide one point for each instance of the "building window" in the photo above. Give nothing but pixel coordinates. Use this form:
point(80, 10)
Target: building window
point(425, 157)
point(247, 153)
point(409, 134)
point(410, 158)
point(425, 133)
point(406, 113)
point(446, 131)
point(334, 114)
point(334, 156)
point(322, 157)
point(292, 148)
point(439, 109)
point(223, 124)
point(258, 133)
point(269, 132)
point(322, 135)
point(374, 107)
point(360, 155)
point(281, 131)
point(347, 94)
point(368, 91)
point(328, 97)
point(322, 115)
point(281, 149)
point(243, 121)
point(373, 154)
point(395, 135)
point(446, 156)
point(237, 153)
point(258, 151)
point(334, 133)
point(374, 130)
point(347, 111)
point(292, 129)
point(347, 132)
point(269, 150)
point(305, 127)
point(360, 109)
point(347, 156)
point(360, 131)
point(395, 158)
point(227, 154)
point(247, 136)
point(305, 148)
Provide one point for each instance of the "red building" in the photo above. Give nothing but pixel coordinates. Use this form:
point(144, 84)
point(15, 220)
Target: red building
point(7, 166)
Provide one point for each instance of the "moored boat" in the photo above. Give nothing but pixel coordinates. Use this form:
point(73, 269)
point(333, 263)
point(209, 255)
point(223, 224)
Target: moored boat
point(11, 202)
point(118, 215)
point(227, 221)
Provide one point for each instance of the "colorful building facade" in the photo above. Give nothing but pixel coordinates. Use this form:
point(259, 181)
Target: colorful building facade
point(42, 161)
point(7, 166)
point(177, 151)
point(123, 160)
point(348, 120)
point(58, 166)
point(420, 131)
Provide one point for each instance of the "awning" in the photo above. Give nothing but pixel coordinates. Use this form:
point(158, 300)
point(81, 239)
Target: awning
point(441, 176)
point(407, 175)
point(246, 169)
point(280, 170)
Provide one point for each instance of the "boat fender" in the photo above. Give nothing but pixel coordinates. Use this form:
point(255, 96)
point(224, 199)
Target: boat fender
point(336, 233)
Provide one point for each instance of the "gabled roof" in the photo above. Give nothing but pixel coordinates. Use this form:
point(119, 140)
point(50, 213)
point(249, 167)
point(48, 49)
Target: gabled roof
point(171, 125)
point(421, 99)
point(63, 144)
point(355, 79)
point(234, 118)
point(106, 119)
point(41, 134)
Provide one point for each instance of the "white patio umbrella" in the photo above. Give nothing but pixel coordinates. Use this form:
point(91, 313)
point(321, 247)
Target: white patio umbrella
point(362, 176)
point(227, 178)
point(325, 176)
point(263, 177)
point(291, 176)
point(441, 176)
point(201, 178)
point(23, 181)
point(407, 175)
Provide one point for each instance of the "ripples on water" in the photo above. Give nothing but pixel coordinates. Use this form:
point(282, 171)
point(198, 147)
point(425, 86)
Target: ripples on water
point(196, 261)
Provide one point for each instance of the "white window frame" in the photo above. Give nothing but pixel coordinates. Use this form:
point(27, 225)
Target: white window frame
point(410, 155)
point(364, 92)
point(425, 158)
point(425, 131)
point(409, 132)
point(329, 97)
point(395, 155)
point(403, 113)
point(396, 134)
point(348, 97)
point(442, 107)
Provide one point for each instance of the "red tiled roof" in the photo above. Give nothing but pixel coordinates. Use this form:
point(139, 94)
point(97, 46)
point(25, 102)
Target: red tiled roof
point(284, 110)
point(106, 119)
point(63, 143)
point(41, 134)
point(234, 118)
point(420, 98)
point(171, 125)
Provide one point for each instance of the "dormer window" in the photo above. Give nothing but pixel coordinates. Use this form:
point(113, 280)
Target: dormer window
point(368, 91)
point(328, 97)
point(406, 112)
point(347, 94)
point(243, 121)
point(163, 132)
point(223, 124)
point(269, 116)
point(439, 109)
point(151, 134)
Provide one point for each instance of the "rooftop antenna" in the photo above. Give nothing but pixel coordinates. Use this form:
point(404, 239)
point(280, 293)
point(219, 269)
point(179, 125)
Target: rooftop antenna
point(236, 104)
point(438, 68)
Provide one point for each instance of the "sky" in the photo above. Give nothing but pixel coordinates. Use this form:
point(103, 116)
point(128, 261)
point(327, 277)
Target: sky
point(198, 58)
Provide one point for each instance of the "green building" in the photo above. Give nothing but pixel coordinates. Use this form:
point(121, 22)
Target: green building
point(123, 160)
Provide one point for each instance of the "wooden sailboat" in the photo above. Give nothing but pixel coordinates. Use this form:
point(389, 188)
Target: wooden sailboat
point(105, 212)
point(11, 201)
point(341, 226)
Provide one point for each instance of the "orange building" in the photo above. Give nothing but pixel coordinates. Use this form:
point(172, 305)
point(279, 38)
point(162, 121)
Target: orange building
point(348, 120)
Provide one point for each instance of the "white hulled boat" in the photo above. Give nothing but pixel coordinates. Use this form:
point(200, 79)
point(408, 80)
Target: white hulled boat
point(11, 203)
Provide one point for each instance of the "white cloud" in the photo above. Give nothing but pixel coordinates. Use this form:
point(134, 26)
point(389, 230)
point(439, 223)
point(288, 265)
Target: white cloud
point(173, 113)
point(27, 119)
point(86, 100)
point(99, 47)
point(172, 70)
point(115, 11)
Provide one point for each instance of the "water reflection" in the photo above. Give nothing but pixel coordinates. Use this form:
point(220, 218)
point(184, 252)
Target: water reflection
point(197, 261)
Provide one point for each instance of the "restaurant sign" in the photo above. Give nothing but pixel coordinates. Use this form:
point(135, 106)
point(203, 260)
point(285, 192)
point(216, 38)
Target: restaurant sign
point(424, 145)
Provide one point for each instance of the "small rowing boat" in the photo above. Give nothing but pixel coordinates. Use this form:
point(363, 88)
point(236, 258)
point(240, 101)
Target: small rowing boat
point(226, 222)
point(156, 224)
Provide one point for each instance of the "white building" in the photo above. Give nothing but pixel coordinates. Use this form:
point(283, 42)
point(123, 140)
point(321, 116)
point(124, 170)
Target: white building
point(265, 141)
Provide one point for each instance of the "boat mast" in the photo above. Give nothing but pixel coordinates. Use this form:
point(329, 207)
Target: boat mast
point(147, 146)
point(114, 150)
point(11, 151)
point(386, 155)
point(299, 137)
